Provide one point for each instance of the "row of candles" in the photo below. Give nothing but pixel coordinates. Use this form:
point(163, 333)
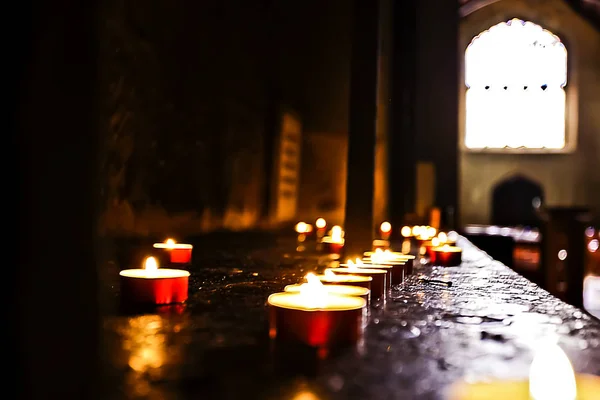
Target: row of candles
point(332, 308)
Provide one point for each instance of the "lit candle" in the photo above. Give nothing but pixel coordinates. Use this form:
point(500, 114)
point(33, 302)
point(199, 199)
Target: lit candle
point(334, 243)
point(427, 245)
point(321, 225)
point(551, 377)
point(388, 256)
point(385, 229)
point(406, 231)
point(153, 285)
point(446, 255)
point(179, 253)
point(398, 266)
point(378, 285)
point(329, 277)
point(358, 263)
point(343, 290)
point(315, 317)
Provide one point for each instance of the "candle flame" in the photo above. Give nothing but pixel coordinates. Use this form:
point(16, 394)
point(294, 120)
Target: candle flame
point(551, 375)
point(337, 233)
point(329, 273)
point(170, 243)
point(313, 292)
point(405, 231)
point(442, 237)
point(431, 231)
point(416, 230)
point(150, 264)
point(385, 227)
point(435, 242)
point(446, 247)
point(321, 223)
point(301, 227)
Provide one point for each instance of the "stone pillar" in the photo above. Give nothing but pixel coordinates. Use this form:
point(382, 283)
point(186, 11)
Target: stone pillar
point(57, 318)
point(563, 252)
point(360, 181)
point(402, 148)
point(436, 98)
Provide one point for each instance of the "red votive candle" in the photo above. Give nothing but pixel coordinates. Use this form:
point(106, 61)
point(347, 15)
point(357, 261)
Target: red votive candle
point(153, 285)
point(387, 256)
point(398, 267)
point(330, 278)
point(332, 246)
point(179, 253)
point(320, 320)
point(341, 290)
point(446, 256)
point(378, 285)
point(387, 268)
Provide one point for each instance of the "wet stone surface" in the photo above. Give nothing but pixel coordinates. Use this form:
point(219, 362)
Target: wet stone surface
point(424, 338)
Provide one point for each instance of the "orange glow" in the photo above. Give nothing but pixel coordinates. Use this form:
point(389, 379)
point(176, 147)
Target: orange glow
point(406, 231)
point(321, 223)
point(329, 273)
point(385, 227)
point(170, 243)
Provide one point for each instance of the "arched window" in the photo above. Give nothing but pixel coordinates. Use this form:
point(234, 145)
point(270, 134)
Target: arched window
point(515, 74)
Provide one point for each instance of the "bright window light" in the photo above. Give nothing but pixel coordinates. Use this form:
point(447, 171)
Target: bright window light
point(515, 73)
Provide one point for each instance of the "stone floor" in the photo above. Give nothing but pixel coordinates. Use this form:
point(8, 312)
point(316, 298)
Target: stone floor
point(423, 339)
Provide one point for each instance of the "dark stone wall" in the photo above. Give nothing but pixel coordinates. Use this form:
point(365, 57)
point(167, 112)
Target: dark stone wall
point(185, 90)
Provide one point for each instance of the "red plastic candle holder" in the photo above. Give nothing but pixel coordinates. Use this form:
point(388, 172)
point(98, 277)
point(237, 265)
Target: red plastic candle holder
point(378, 284)
point(339, 323)
point(179, 253)
point(162, 286)
point(446, 256)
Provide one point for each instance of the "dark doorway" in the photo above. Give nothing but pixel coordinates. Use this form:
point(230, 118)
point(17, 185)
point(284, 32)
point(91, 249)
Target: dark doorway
point(515, 202)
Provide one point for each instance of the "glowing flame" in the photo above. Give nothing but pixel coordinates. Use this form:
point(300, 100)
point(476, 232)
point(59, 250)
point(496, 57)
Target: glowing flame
point(385, 227)
point(337, 233)
point(405, 231)
point(551, 375)
point(170, 243)
point(435, 242)
point(416, 230)
point(350, 264)
point(321, 223)
point(443, 238)
point(452, 236)
point(313, 293)
point(301, 227)
point(431, 231)
point(150, 264)
point(445, 247)
point(329, 273)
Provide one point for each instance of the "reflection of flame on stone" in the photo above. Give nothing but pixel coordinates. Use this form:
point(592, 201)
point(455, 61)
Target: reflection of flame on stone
point(305, 395)
point(145, 343)
point(551, 375)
